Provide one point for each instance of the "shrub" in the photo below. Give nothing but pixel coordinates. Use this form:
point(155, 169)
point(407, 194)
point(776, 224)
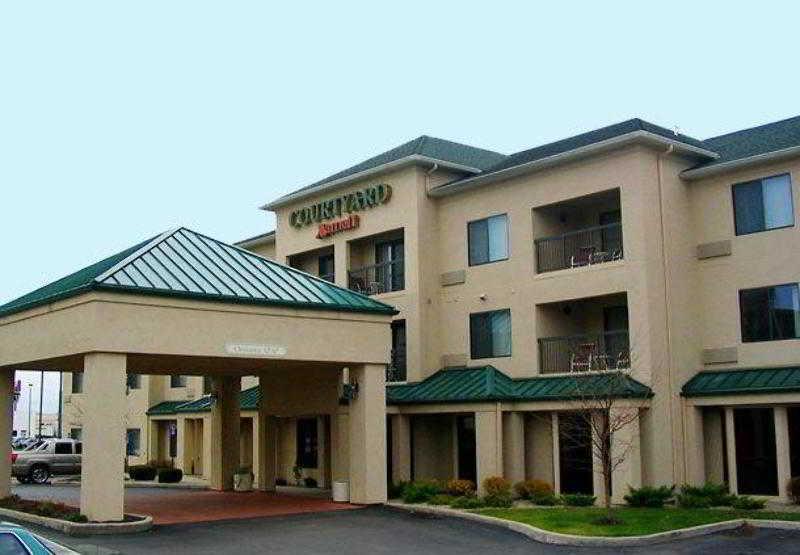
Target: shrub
point(649, 496)
point(467, 503)
point(503, 501)
point(395, 489)
point(420, 492)
point(578, 499)
point(716, 494)
point(441, 499)
point(142, 472)
point(76, 517)
point(169, 475)
point(459, 488)
point(692, 501)
point(310, 482)
point(546, 500)
point(747, 503)
point(793, 489)
point(496, 486)
point(529, 489)
point(280, 481)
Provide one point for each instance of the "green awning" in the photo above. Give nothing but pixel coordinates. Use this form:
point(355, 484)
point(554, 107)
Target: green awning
point(753, 381)
point(487, 383)
point(248, 401)
point(164, 408)
point(184, 263)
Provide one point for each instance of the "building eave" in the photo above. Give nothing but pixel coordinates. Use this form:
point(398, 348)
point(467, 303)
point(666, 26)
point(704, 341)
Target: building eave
point(642, 137)
point(723, 167)
point(341, 182)
point(263, 239)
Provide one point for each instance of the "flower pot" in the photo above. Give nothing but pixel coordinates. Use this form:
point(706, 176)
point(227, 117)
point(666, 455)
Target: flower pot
point(243, 482)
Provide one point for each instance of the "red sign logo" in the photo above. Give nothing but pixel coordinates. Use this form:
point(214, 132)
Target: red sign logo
point(326, 230)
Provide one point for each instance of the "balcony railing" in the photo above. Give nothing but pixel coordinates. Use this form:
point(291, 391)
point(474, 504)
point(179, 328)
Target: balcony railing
point(378, 278)
point(396, 371)
point(585, 353)
point(328, 277)
point(593, 245)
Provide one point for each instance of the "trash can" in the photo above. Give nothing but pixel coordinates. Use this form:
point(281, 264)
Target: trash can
point(341, 492)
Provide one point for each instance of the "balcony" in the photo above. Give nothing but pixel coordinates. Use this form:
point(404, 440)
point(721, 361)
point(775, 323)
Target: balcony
point(594, 352)
point(378, 278)
point(584, 247)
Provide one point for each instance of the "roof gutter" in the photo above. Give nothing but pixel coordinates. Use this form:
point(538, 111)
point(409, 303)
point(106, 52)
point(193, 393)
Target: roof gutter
point(263, 239)
point(571, 156)
point(723, 167)
point(395, 164)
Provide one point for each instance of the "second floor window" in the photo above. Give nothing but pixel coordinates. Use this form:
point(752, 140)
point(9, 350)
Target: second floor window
point(134, 381)
point(490, 334)
point(133, 441)
point(176, 380)
point(763, 204)
point(77, 382)
point(488, 240)
point(326, 268)
point(770, 313)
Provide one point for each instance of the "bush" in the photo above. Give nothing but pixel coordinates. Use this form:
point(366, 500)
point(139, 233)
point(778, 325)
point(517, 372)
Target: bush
point(716, 494)
point(793, 489)
point(546, 500)
point(528, 489)
point(43, 508)
point(460, 488)
point(169, 475)
point(280, 481)
point(747, 503)
point(310, 482)
point(142, 472)
point(578, 499)
point(692, 501)
point(502, 501)
point(441, 499)
point(496, 486)
point(649, 496)
point(420, 492)
point(467, 503)
point(76, 517)
point(395, 490)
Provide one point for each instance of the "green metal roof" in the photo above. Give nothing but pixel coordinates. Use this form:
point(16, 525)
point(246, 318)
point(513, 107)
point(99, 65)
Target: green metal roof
point(188, 264)
point(248, 401)
point(487, 383)
point(743, 382)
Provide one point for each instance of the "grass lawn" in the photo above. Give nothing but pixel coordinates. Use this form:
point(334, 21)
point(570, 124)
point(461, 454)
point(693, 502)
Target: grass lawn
point(636, 522)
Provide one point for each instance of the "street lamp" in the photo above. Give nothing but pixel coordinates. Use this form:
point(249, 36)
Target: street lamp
point(30, 397)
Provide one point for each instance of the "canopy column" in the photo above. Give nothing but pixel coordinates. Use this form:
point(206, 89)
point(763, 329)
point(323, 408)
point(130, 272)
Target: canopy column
point(225, 423)
point(367, 423)
point(267, 441)
point(401, 448)
point(6, 426)
point(488, 446)
point(514, 446)
point(625, 447)
point(103, 460)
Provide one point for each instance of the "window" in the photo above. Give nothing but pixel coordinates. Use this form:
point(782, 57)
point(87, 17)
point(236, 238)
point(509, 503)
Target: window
point(77, 382)
point(76, 433)
point(78, 448)
point(326, 268)
point(490, 334)
point(307, 442)
point(63, 448)
point(770, 313)
point(397, 370)
point(488, 240)
point(208, 385)
point(177, 381)
point(133, 441)
point(134, 381)
point(390, 265)
point(763, 204)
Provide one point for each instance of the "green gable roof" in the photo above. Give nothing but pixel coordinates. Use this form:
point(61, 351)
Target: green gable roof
point(743, 382)
point(248, 401)
point(188, 264)
point(487, 383)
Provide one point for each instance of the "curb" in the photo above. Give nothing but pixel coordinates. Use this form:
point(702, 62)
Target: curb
point(81, 528)
point(555, 538)
point(138, 484)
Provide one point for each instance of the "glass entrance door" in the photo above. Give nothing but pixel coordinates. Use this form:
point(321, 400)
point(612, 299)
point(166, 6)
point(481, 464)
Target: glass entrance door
point(465, 432)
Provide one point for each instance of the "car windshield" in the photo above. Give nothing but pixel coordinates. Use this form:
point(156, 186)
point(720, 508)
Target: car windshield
point(34, 446)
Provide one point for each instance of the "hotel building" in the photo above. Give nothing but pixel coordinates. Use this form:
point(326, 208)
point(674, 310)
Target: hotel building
point(524, 283)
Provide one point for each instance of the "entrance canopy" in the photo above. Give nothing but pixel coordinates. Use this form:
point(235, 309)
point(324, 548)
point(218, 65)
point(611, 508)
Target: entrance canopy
point(184, 303)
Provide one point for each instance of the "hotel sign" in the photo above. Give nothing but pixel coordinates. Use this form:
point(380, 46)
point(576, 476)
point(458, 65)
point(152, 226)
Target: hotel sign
point(255, 350)
point(345, 205)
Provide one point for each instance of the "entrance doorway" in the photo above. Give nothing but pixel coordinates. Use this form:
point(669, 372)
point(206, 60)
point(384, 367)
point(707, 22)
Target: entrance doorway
point(465, 434)
point(575, 454)
point(756, 460)
point(794, 439)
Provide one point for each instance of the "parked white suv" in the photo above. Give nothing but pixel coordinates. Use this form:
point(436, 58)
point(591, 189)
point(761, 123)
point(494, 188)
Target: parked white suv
point(52, 456)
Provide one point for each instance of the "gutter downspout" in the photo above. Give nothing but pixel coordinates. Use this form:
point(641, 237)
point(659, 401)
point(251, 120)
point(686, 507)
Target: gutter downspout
point(667, 313)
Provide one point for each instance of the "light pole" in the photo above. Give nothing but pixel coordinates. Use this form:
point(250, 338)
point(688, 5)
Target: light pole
point(30, 399)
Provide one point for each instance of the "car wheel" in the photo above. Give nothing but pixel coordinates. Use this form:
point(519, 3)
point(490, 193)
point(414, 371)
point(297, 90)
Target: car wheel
point(39, 474)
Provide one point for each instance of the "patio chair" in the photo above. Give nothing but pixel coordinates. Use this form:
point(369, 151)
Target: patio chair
point(582, 359)
point(583, 258)
point(623, 360)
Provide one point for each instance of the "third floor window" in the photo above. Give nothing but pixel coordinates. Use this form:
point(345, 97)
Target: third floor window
point(763, 204)
point(488, 240)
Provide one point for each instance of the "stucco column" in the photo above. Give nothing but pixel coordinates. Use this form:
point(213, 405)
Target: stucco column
point(695, 445)
point(625, 446)
point(267, 457)
point(183, 445)
point(6, 427)
point(341, 262)
point(782, 451)
point(555, 438)
point(598, 482)
point(225, 424)
point(103, 461)
point(488, 446)
point(367, 426)
point(514, 446)
point(401, 448)
point(152, 440)
point(730, 439)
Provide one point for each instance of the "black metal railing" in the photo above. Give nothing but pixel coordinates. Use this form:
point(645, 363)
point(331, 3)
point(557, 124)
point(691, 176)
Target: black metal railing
point(584, 247)
point(378, 278)
point(396, 371)
point(585, 353)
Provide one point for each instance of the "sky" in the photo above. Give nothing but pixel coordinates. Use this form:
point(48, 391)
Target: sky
point(119, 120)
